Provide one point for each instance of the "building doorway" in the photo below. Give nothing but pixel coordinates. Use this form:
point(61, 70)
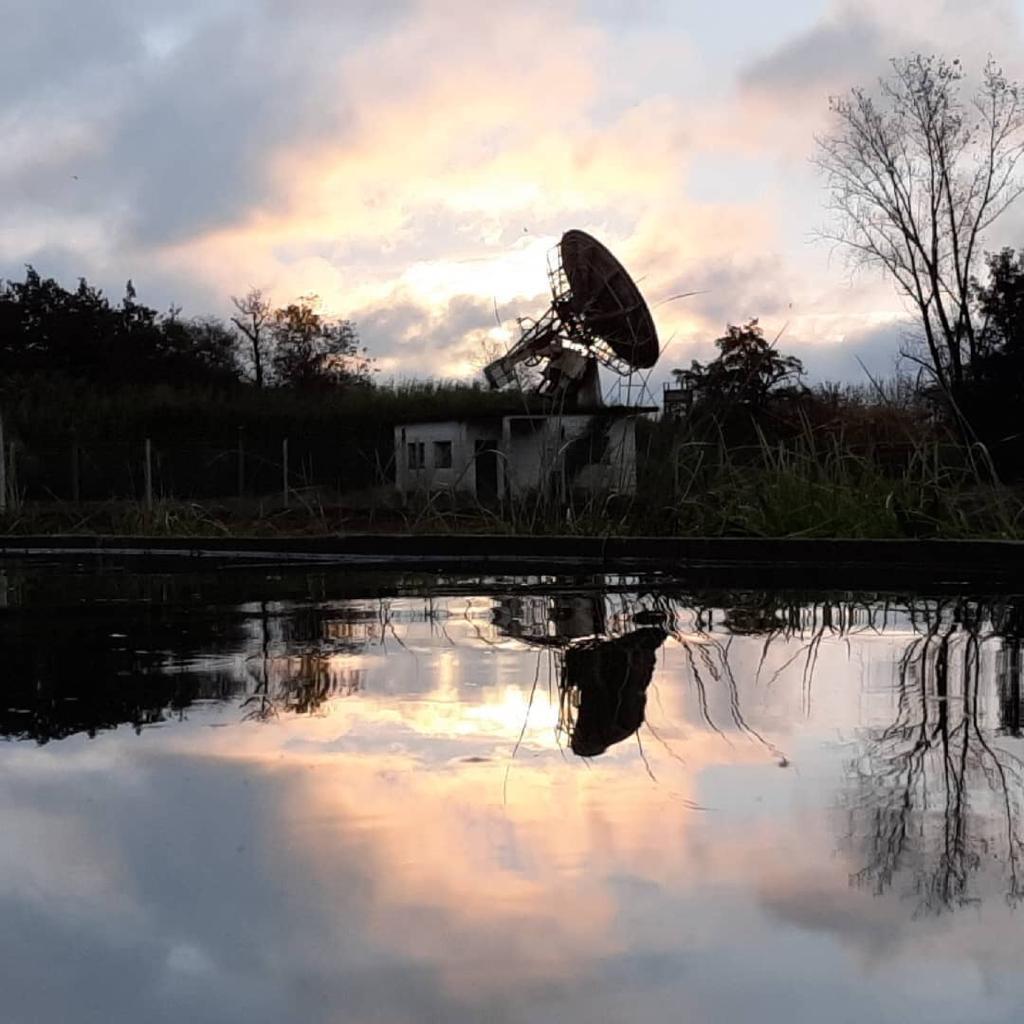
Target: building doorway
point(486, 458)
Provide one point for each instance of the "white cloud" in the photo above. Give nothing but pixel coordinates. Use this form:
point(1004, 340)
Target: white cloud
point(426, 155)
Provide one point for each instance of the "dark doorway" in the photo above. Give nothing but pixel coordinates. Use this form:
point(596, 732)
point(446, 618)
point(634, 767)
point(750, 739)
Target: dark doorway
point(487, 470)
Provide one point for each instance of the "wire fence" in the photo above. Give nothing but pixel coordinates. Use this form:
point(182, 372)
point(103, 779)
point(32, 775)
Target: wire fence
point(150, 470)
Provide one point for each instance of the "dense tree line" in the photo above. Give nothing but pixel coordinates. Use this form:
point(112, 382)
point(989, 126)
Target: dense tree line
point(88, 384)
point(80, 334)
point(751, 386)
point(992, 396)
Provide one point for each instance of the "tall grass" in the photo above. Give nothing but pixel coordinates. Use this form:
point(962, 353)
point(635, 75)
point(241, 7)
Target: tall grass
point(818, 482)
point(849, 463)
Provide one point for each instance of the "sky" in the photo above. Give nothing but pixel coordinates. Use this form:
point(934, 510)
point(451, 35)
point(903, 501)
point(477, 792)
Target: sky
point(413, 162)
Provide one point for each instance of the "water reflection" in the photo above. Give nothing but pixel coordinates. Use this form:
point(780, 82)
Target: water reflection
point(937, 792)
point(612, 800)
point(935, 789)
point(603, 689)
point(602, 678)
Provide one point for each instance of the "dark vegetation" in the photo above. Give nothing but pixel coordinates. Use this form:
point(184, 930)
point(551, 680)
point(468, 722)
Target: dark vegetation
point(84, 382)
point(280, 406)
point(757, 452)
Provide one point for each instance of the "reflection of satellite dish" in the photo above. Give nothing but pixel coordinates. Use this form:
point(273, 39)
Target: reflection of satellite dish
point(605, 683)
point(597, 314)
point(602, 679)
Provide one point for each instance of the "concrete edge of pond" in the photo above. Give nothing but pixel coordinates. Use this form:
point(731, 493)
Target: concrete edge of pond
point(812, 561)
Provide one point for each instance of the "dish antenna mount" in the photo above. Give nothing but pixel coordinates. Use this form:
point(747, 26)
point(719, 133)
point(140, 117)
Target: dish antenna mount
point(597, 315)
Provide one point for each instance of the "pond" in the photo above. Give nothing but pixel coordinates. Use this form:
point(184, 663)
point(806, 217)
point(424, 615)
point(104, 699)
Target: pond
point(275, 794)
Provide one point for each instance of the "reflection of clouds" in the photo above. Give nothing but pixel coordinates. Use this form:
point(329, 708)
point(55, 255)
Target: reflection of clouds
point(820, 902)
point(388, 858)
point(70, 875)
point(341, 885)
point(516, 885)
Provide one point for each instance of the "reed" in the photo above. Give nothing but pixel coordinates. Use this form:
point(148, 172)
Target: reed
point(844, 465)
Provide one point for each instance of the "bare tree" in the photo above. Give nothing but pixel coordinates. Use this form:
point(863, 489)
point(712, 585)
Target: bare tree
point(253, 320)
point(916, 175)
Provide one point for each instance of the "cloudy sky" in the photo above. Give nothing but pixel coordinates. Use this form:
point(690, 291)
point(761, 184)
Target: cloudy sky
point(413, 161)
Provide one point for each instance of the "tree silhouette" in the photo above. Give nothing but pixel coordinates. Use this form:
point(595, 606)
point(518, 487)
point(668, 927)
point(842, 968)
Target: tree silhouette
point(994, 389)
point(312, 351)
point(1000, 303)
point(915, 177)
point(253, 321)
point(746, 373)
point(46, 329)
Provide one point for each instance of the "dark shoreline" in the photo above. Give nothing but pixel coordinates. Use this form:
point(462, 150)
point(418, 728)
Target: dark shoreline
point(745, 562)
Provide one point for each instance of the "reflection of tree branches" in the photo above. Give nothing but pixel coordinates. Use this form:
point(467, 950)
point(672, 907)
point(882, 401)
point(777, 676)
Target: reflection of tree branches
point(710, 657)
point(522, 731)
point(387, 625)
point(301, 683)
point(938, 797)
point(309, 636)
point(307, 683)
point(920, 784)
point(811, 623)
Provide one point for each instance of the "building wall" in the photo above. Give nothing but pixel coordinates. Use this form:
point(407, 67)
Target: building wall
point(543, 454)
point(538, 454)
point(460, 477)
point(617, 471)
point(528, 443)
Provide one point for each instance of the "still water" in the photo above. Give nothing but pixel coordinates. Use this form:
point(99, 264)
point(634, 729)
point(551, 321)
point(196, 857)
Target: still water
point(289, 795)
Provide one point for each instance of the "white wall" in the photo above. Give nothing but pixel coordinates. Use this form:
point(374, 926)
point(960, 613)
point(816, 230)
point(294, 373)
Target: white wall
point(533, 450)
point(460, 477)
point(536, 449)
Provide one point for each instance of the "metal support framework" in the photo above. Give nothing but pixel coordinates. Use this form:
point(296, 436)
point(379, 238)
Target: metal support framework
point(596, 313)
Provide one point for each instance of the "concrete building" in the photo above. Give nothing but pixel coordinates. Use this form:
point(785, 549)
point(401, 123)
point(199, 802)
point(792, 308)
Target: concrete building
point(509, 457)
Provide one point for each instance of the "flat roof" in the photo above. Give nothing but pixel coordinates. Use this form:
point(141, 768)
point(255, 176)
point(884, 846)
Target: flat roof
point(601, 410)
point(532, 414)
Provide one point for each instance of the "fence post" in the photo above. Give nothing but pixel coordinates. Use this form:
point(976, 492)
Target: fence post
point(241, 462)
point(149, 475)
point(3, 468)
point(75, 489)
point(284, 471)
point(12, 475)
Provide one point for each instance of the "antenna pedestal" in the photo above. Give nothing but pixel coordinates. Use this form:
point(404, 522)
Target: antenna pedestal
point(597, 314)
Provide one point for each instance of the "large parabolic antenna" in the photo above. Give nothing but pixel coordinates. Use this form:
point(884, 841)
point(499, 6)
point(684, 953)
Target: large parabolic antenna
point(597, 314)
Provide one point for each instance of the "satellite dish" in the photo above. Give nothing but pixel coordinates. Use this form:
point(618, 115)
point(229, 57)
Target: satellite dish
point(613, 318)
point(597, 314)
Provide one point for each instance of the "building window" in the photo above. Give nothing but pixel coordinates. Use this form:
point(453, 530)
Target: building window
point(417, 454)
point(442, 455)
